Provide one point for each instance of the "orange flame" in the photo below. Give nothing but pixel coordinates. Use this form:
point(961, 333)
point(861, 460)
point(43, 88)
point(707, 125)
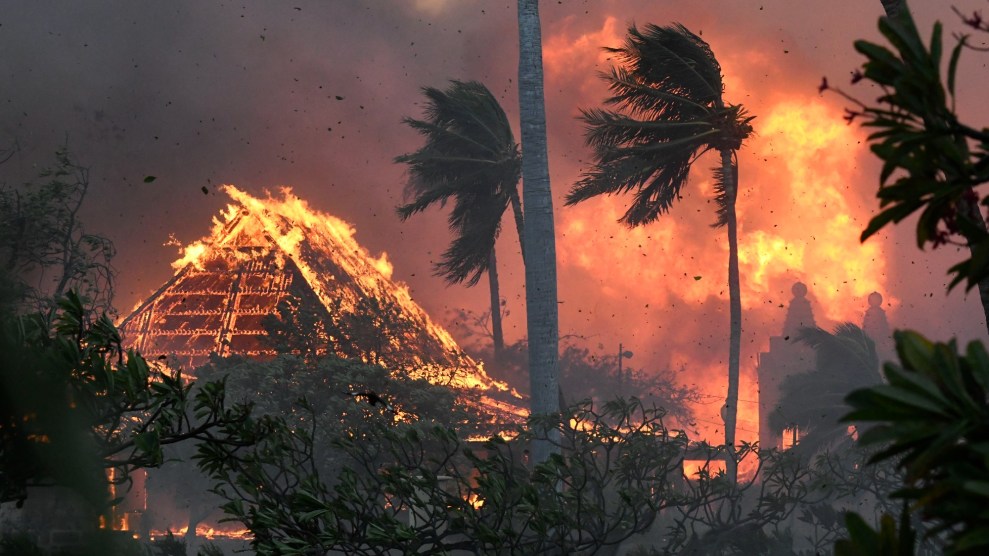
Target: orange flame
point(813, 153)
point(665, 284)
point(662, 288)
point(307, 237)
point(204, 531)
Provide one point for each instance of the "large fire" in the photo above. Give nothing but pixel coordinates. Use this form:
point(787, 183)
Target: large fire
point(262, 250)
point(290, 220)
point(663, 287)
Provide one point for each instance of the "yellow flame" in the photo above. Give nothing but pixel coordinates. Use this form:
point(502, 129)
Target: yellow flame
point(322, 246)
point(204, 531)
point(818, 154)
point(191, 254)
point(320, 228)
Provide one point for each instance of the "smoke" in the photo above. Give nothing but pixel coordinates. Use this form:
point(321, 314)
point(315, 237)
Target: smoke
point(311, 94)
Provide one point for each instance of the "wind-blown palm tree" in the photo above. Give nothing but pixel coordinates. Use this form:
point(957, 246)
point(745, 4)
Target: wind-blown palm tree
point(471, 158)
point(542, 316)
point(814, 401)
point(667, 94)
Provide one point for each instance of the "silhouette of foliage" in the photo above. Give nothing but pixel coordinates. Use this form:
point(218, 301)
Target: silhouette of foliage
point(931, 160)
point(44, 249)
point(74, 404)
point(418, 489)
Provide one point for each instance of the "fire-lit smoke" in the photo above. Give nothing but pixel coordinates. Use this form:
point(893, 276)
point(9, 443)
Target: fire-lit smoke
point(321, 93)
point(663, 287)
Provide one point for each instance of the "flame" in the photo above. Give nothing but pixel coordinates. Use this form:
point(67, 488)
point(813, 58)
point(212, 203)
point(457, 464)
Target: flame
point(815, 153)
point(475, 500)
point(205, 531)
point(322, 228)
point(191, 254)
point(665, 284)
point(692, 468)
point(326, 254)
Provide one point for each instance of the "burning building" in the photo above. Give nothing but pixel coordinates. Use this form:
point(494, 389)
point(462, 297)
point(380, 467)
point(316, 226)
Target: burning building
point(276, 260)
point(266, 258)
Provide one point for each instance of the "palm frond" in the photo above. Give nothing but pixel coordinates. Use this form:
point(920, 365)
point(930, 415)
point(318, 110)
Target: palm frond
point(605, 128)
point(666, 94)
point(672, 60)
point(425, 197)
point(848, 351)
point(644, 99)
point(476, 223)
point(469, 158)
point(814, 401)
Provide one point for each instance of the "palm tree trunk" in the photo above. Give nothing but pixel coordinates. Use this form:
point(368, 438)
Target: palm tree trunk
point(895, 9)
point(519, 221)
point(542, 317)
point(497, 334)
point(735, 314)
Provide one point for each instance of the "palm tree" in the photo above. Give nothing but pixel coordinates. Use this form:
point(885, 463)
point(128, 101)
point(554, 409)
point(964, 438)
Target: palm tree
point(667, 94)
point(471, 158)
point(542, 317)
point(814, 401)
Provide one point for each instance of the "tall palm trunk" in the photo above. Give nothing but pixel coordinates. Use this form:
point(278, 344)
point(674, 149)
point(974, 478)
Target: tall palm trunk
point(730, 170)
point(894, 9)
point(540, 242)
point(496, 331)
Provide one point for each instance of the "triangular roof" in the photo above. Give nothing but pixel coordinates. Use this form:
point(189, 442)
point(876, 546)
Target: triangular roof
point(262, 251)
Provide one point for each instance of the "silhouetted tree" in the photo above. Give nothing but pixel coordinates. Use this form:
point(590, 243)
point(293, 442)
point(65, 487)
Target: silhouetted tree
point(471, 158)
point(44, 248)
point(296, 327)
point(668, 95)
point(74, 404)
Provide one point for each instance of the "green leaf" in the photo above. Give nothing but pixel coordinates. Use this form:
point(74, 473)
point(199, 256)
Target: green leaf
point(978, 487)
point(973, 539)
point(915, 351)
point(149, 179)
point(878, 222)
point(313, 514)
point(913, 401)
point(936, 44)
point(863, 536)
point(953, 66)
